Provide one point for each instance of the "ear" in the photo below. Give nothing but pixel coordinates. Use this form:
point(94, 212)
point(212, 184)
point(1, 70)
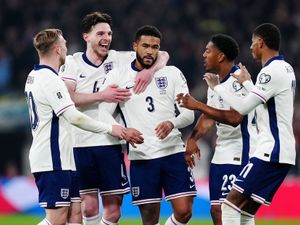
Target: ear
point(57, 49)
point(85, 36)
point(260, 42)
point(221, 57)
point(134, 46)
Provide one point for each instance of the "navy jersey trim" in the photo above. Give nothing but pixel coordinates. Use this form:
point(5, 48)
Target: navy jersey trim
point(54, 143)
point(274, 129)
point(134, 67)
point(245, 140)
point(233, 69)
point(39, 67)
point(87, 61)
point(279, 57)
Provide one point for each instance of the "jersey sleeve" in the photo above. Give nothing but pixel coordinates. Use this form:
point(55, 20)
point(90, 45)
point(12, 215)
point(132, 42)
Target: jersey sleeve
point(267, 85)
point(69, 71)
point(57, 95)
point(210, 94)
point(186, 116)
point(125, 57)
point(105, 109)
point(180, 83)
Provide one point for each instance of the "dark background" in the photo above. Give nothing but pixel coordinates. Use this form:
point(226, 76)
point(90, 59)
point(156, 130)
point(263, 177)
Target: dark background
point(186, 27)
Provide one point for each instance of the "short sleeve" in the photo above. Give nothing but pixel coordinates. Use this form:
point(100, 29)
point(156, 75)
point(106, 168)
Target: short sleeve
point(69, 71)
point(125, 57)
point(267, 85)
point(57, 95)
point(180, 83)
point(112, 77)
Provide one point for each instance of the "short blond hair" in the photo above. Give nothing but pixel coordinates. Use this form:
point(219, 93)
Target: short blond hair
point(44, 40)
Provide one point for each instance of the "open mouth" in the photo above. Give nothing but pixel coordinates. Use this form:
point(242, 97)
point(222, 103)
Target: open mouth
point(106, 46)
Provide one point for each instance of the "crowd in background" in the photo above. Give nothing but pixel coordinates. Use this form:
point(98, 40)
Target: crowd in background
point(186, 27)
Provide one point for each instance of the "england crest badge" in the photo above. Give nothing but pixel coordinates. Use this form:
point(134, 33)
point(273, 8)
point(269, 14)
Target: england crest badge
point(135, 191)
point(64, 193)
point(162, 84)
point(108, 67)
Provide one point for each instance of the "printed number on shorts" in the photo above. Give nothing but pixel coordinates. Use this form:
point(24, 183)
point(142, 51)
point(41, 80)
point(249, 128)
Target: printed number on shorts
point(34, 119)
point(228, 182)
point(246, 170)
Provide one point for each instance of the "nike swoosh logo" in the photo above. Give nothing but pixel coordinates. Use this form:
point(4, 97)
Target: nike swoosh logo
point(224, 194)
point(82, 76)
point(191, 186)
point(123, 184)
point(238, 180)
point(129, 87)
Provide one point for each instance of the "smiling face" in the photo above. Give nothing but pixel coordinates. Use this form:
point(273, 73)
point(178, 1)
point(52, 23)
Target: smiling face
point(99, 39)
point(146, 48)
point(211, 57)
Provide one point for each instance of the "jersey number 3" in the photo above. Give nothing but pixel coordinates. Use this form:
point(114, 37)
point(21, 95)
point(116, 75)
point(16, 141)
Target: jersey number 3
point(150, 102)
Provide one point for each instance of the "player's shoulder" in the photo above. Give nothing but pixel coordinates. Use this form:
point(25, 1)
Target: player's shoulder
point(114, 55)
point(72, 59)
point(170, 69)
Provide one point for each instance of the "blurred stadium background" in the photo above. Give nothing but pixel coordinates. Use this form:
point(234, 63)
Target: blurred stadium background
point(186, 28)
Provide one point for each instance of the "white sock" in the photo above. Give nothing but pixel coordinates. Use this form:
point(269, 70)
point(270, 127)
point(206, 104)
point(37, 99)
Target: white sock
point(45, 222)
point(247, 218)
point(172, 221)
point(106, 222)
point(230, 214)
point(94, 220)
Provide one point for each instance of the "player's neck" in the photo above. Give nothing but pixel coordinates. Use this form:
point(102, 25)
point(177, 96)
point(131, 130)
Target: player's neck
point(54, 64)
point(225, 69)
point(94, 58)
point(267, 55)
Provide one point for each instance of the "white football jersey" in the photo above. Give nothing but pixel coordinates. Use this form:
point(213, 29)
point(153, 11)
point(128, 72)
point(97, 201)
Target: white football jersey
point(88, 79)
point(234, 145)
point(275, 86)
point(47, 98)
point(146, 110)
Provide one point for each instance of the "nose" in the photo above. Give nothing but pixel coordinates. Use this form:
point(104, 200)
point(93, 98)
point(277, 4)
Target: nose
point(106, 36)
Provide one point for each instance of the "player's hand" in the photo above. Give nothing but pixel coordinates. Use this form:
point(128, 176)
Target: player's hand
point(211, 79)
point(119, 131)
point(133, 136)
point(243, 75)
point(191, 151)
point(163, 129)
point(113, 93)
point(187, 101)
point(142, 80)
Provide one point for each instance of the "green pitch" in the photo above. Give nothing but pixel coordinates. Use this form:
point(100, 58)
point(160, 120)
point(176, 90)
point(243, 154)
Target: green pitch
point(29, 220)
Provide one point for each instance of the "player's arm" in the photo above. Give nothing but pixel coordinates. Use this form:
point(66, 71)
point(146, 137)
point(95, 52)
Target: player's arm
point(145, 76)
point(230, 117)
point(185, 117)
point(242, 105)
point(201, 128)
point(80, 120)
point(106, 111)
point(111, 93)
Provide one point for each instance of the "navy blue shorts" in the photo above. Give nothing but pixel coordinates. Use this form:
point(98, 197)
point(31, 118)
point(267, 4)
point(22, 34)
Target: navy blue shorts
point(101, 168)
point(221, 179)
point(74, 191)
point(55, 188)
point(260, 180)
point(170, 174)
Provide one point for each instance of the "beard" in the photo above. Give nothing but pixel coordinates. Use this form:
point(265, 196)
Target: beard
point(141, 61)
point(62, 60)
